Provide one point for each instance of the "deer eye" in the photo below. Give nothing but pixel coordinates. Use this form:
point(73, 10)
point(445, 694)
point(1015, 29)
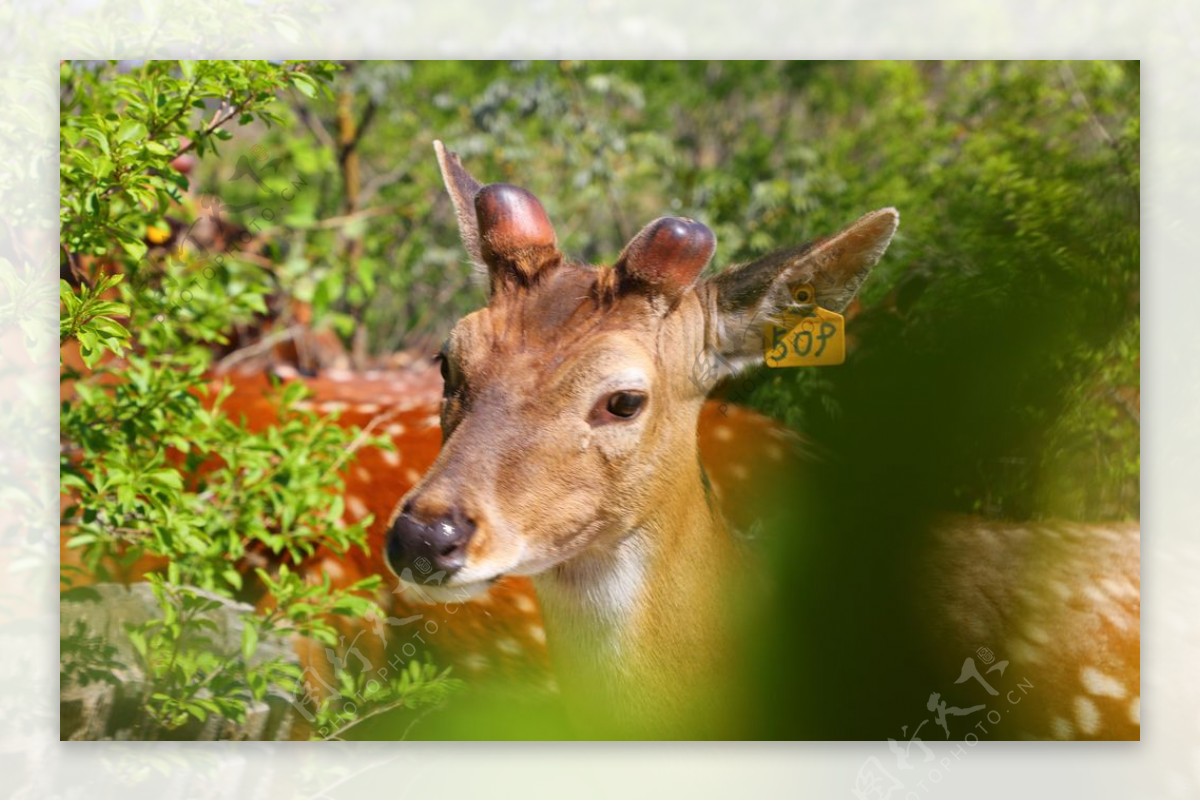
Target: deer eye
point(625, 405)
point(443, 362)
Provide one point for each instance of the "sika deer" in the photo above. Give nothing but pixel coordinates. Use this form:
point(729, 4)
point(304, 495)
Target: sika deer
point(570, 445)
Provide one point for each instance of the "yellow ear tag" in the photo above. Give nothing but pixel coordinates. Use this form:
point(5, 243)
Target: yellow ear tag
point(814, 337)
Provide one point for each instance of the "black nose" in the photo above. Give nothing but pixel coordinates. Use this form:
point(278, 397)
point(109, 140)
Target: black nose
point(428, 547)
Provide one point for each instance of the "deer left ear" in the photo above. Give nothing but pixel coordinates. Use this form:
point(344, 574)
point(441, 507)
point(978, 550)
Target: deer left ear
point(503, 227)
point(745, 297)
point(463, 188)
point(666, 256)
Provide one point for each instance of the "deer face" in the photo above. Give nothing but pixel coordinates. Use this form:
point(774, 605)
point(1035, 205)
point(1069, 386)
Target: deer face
point(571, 400)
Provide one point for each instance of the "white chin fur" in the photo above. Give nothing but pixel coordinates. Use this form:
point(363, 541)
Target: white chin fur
point(442, 594)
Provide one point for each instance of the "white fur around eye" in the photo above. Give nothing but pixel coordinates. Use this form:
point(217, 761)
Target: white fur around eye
point(629, 380)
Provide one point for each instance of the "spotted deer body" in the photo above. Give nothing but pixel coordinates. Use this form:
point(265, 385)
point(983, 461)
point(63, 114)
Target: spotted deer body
point(1060, 602)
point(571, 452)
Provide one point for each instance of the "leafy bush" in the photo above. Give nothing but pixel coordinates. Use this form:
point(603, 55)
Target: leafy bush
point(155, 470)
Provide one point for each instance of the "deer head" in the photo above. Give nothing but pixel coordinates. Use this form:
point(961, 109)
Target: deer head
point(570, 414)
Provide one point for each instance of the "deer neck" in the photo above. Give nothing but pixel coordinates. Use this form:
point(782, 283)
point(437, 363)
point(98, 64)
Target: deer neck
point(630, 622)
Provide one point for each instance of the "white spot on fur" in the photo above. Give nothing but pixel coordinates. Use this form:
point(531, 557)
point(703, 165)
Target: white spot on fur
point(332, 407)
point(739, 471)
point(412, 476)
point(1117, 618)
point(1119, 588)
point(395, 429)
point(332, 569)
point(475, 662)
point(723, 433)
point(775, 453)
point(390, 458)
point(362, 474)
point(367, 408)
point(356, 506)
point(1061, 589)
point(509, 646)
point(526, 604)
point(1087, 715)
point(1096, 682)
point(1096, 595)
point(1061, 729)
point(537, 634)
point(1036, 634)
point(1024, 652)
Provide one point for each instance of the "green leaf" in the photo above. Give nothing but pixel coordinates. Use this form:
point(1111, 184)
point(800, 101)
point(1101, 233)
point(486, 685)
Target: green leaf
point(79, 540)
point(131, 130)
point(164, 477)
point(303, 83)
point(135, 247)
point(137, 640)
point(233, 577)
point(97, 136)
point(249, 640)
point(102, 167)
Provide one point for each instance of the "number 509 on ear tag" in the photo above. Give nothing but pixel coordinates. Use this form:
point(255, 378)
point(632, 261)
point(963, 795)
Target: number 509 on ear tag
point(813, 339)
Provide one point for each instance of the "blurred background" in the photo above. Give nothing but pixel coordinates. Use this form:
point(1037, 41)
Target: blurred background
point(993, 371)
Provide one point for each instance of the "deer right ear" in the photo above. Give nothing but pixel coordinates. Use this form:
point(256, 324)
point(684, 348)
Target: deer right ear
point(666, 256)
point(746, 297)
point(503, 227)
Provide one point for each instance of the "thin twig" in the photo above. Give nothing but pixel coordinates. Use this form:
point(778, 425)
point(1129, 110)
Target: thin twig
point(317, 128)
point(253, 258)
point(184, 107)
point(265, 234)
point(342, 219)
point(336, 735)
point(258, 348)
point(381, 180)
point(217, 122)
point(73, 265)
point(1080, 99)
point(363, 436)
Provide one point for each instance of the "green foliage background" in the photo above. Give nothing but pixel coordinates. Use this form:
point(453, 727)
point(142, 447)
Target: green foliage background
point(996, 370)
